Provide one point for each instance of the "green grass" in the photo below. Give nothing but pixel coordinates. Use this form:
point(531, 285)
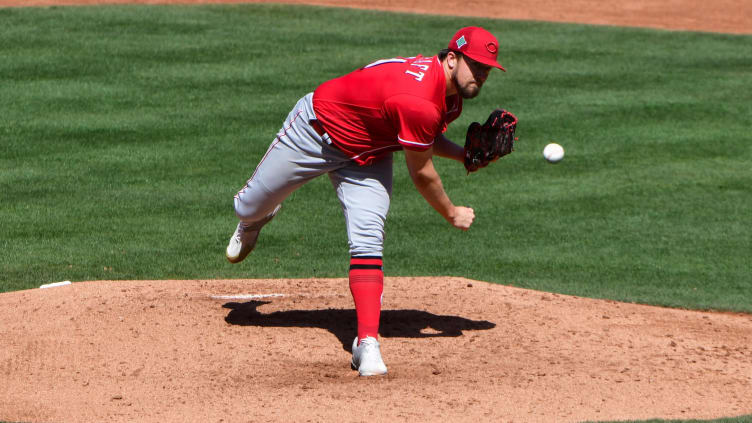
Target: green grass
point(743, 419)
point(126, 130)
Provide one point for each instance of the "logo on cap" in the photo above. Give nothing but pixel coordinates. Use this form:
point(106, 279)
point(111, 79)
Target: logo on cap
point(491, 47)
point(461, 42)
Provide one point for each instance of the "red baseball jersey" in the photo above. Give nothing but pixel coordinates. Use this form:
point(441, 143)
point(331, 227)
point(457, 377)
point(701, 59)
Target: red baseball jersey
point(386, 106)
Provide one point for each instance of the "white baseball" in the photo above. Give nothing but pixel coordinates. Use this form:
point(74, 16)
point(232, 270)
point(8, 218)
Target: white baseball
point(553, 153)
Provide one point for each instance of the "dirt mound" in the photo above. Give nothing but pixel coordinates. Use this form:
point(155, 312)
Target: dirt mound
point(277, 350)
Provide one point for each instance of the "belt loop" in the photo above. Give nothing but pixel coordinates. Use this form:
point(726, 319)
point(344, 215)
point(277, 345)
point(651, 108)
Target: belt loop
point(316, 125)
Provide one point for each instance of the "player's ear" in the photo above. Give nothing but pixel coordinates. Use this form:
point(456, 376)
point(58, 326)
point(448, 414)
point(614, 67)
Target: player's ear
point(452, 59)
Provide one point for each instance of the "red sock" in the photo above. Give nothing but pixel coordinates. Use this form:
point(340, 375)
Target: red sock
point(366, 285)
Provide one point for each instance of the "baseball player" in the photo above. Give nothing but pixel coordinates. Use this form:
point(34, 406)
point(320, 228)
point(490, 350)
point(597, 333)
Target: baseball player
point(348, 128)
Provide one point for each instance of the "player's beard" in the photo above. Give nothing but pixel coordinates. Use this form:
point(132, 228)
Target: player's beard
point(469, 90)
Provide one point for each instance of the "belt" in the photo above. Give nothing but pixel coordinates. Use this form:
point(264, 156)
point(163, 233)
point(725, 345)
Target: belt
point(318, 128)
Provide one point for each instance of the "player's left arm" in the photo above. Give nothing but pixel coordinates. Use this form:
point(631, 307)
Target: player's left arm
point(444, 147)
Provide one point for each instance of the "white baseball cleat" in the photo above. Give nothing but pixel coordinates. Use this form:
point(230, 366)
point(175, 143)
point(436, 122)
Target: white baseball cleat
point(244, 239)
point(367, 357)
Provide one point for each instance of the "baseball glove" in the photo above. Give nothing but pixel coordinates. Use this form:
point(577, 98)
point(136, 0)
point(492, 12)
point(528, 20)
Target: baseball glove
point(490, 141)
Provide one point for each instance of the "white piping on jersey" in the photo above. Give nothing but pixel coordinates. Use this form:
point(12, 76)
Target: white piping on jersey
point(382, 61)
point(414, 142)
point(396, 146)
point(374, 150)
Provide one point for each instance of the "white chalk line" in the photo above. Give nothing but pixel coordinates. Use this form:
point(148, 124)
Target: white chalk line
point(55, 284)
point(257, 296)
point(245, 296)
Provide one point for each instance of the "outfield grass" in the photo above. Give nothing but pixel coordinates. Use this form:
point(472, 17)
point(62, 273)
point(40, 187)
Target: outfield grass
point(126, 130)
point(743, 419)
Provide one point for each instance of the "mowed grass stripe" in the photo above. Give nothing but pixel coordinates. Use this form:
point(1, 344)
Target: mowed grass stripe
point(126, 130)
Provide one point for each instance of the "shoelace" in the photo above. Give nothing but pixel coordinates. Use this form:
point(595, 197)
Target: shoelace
point(369, 343)
point(238, 233)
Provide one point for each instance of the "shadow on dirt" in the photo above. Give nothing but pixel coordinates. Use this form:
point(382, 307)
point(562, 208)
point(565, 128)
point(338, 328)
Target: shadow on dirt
point(342, 323)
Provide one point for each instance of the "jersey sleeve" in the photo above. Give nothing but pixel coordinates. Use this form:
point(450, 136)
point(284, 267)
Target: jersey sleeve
point(417, 121)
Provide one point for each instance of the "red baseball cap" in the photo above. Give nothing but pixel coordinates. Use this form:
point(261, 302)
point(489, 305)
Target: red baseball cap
point(477, 44)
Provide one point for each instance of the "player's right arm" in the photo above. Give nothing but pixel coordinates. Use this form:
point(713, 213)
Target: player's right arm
point(444, 147)
point(428, 183)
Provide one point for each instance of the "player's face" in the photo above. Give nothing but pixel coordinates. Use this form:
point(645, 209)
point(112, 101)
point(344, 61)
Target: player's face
point(470, 76)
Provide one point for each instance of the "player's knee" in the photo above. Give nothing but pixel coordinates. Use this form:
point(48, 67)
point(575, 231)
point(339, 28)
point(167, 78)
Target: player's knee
point(366, 233)
point(371, 245)
point(356, 251)
point(250, 212)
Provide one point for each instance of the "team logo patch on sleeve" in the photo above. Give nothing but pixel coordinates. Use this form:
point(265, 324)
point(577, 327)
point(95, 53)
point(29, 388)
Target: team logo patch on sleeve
point(461, 42)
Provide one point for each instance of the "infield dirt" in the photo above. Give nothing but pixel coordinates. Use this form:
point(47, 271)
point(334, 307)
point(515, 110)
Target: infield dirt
point(457, 350)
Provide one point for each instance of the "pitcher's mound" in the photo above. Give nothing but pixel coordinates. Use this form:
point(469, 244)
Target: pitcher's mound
point(277, 350)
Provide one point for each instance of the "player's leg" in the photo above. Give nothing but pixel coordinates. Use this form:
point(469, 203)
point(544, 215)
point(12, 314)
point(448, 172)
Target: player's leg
point(364, 192)
point(297, 155)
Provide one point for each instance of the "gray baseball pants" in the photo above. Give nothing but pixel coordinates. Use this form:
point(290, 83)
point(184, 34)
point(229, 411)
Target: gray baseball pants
point(299, 154)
